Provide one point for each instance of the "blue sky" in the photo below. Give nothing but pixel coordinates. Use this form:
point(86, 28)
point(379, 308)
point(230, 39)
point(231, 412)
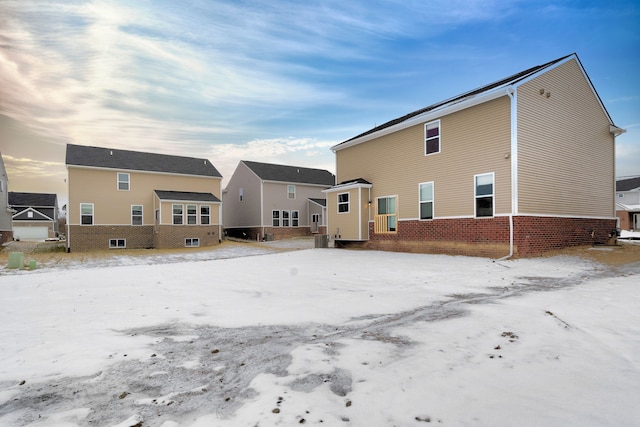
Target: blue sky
point(278, 81)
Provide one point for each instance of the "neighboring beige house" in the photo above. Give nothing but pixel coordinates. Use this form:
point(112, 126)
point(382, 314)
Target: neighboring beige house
point(517, 167)
point(628, 203)
point(35, 217)
point(264, 201)
point(130, 199)
point(6, 233)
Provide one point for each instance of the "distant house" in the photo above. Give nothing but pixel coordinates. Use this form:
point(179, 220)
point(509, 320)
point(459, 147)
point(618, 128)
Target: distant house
point(516, 167)
point(6, 233)
point(264, 200)
point(35, 217)
point(628, 203)
point(130, 199)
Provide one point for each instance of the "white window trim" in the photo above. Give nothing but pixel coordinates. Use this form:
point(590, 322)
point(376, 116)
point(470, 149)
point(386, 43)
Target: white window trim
point(297, 218)
point(493, 195)
point(288, 218)
point(433, 201)
point(128, 181)
point(173, 214)
point(241, 194)
point(187, 215)
point(207, 215)
point(289, 192)
point(116, 246)
point(439, 137)
point(93, 214)
point(141, 215)
point(348, 203)
point(279, 218)
point(189, 242)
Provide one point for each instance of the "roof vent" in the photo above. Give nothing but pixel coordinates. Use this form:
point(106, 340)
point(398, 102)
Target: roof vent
point(111, 153)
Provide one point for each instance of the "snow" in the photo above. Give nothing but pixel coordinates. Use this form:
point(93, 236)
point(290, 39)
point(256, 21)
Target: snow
point(629, 234)
point(263, 335)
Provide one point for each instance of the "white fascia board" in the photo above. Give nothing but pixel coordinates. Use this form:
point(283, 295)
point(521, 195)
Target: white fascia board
point(142, 171)
point(348, 186)
point(429, 116)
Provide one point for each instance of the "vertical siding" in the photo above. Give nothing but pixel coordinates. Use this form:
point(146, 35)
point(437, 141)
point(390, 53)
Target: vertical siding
point(473, 141)
point(565, 150)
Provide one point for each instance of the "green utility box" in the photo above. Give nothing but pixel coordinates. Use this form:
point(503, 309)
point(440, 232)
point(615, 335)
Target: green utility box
point(16, 260)
point(32, 264)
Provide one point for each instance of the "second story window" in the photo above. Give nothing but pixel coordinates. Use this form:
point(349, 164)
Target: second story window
point(291, 192)
point(123, 181)
point(432, 138)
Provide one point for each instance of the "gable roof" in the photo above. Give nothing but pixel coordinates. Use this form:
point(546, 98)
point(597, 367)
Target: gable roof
point(293, 174)
point(33, 199)
point(187, 196)
point(321, 202)
point(495, 87)
point(628, 184)
point(36, 215)
point(81, 155)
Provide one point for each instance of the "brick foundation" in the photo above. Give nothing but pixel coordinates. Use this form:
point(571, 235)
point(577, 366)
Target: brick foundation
point(489, 237)
point(96, 237)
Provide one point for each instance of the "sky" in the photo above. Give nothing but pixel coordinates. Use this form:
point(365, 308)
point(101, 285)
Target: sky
point(278, 81)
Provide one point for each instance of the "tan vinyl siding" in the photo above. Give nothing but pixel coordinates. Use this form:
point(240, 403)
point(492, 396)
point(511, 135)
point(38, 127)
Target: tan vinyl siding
point(247, 212)
point(344, 226)
point(166, 212)
point(113, 207)
point(565, 150)
point(473, 141)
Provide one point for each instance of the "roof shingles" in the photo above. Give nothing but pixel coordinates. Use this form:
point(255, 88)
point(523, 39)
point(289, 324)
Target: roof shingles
point(292, 174)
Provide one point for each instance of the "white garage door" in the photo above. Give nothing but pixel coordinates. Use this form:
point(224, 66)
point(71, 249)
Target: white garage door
point(30, 233)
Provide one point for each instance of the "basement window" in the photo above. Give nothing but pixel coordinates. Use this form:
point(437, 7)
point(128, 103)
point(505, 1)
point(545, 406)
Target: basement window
point(117, 243)
point(192, 242)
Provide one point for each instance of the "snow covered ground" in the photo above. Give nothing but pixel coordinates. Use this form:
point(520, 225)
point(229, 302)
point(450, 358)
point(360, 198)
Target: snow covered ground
point(249, 335)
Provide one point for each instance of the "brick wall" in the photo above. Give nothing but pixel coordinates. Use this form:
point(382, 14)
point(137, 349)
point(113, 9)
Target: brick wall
point(169, 236)
point(255, 233)
point(96, 237)
point(489, 237)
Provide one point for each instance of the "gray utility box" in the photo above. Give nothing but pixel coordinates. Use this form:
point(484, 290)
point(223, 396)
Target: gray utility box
point(322, 241)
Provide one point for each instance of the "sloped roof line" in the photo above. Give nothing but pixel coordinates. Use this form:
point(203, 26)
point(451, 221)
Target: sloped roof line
point(290, 174)
point(511, 80)
point(111, 158)
point(189, 196)
point(628, 184)
point(38, 217)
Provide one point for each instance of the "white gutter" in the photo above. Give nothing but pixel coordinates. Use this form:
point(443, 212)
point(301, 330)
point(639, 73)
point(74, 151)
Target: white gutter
point(513, 97)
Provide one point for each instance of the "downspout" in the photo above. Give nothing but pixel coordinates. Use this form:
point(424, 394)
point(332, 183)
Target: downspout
point(359, 213)
point(262, 208)
point(220, 222)
point(513, 96)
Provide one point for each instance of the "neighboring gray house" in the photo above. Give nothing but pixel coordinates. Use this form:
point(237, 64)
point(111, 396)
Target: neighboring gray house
point(628, 203)
point(5, 211)
point(264, 200)
point(35, 216)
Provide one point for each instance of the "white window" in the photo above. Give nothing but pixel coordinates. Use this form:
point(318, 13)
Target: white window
point(295, 218)
point(240, 194)
point(275, 218)
point(484, 194)
point(86, 213)
point(291, 192)
point(30, 214)
point(192, 214)
point(136, 214)
point(432, 137)
point(205, 214)
point(177, 214)
point(285, 218)
point(343, 202)
point(123, 181)
point(426, 200)
point(117, 243)
point(192, 242)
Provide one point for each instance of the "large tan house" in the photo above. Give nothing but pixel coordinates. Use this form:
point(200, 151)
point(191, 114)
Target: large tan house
point(129, 199)
point(265, 200)
point(517, 167)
